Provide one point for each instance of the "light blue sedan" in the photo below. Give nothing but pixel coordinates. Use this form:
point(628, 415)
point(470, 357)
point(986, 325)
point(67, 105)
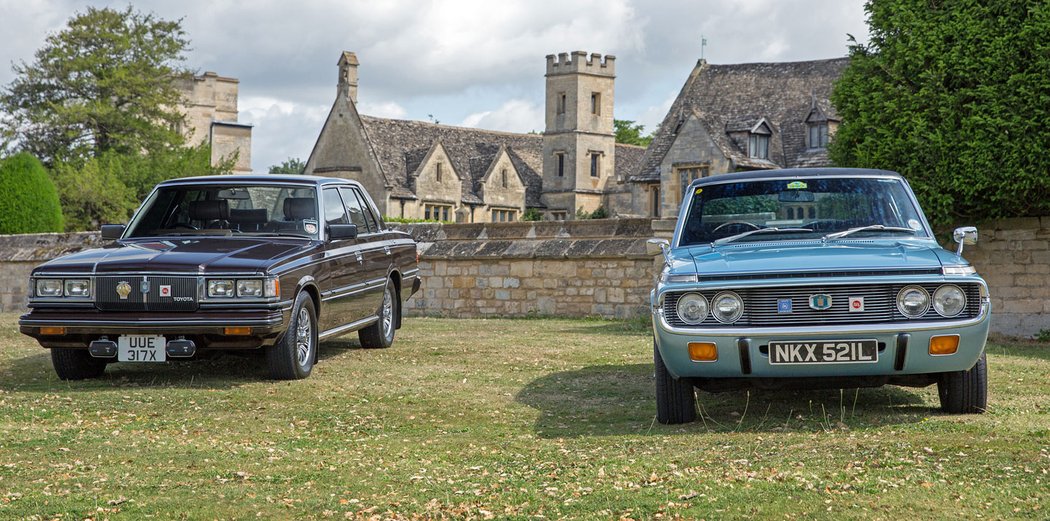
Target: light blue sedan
point(814, 278)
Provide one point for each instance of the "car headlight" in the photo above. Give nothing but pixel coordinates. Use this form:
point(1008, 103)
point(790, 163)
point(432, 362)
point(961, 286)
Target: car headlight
point(78, 288)
point(692, 308)
point(250, 288)
point(913, 301)
point(727, 307)
point(49, 287)
point(949, 300)
point(220, 288)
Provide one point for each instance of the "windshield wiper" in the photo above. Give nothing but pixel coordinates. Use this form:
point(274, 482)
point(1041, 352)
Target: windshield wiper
point(880, 227)
point(732, 238)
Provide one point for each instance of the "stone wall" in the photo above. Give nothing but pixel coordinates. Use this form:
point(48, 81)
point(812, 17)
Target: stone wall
point(571, 269)
point(1013, 255)
point(591, 268)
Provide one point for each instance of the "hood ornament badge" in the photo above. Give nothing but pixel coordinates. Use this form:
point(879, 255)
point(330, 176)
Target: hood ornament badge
point(123, 290)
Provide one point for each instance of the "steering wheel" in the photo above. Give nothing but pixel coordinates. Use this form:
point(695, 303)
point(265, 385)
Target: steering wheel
point(737, 223)
point(185, 225)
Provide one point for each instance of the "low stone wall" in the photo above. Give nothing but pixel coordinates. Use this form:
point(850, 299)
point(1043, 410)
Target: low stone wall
point(1013, 255)
point(571, 269)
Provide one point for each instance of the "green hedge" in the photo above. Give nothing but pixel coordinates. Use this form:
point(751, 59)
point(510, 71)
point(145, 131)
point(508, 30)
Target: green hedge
point(28, 199)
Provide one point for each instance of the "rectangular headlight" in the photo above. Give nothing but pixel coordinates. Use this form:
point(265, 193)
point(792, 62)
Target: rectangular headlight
point(78, 288)
point(49, 287)
point(220, 288)
point(250, 288)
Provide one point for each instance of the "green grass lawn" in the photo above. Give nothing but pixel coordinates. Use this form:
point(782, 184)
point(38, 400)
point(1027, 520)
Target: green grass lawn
point(503, 419)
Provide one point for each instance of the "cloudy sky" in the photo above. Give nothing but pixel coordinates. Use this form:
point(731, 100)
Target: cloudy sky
point(461, 62)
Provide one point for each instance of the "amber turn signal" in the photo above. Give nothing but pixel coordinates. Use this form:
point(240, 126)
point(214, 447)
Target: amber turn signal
point(703, 351)
point(52, 330)
point(944, 345)
point(238, 331)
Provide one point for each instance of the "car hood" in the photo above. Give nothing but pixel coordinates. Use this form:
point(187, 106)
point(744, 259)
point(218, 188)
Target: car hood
point(179, 255)
point(810, 257)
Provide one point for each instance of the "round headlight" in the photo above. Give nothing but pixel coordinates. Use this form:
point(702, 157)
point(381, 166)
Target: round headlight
point(949, 300)
point(727, 307)
point(913, 301)
point(692, 308)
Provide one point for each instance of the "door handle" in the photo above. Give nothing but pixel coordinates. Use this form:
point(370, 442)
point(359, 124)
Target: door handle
point(359, 257)
point(386, 249)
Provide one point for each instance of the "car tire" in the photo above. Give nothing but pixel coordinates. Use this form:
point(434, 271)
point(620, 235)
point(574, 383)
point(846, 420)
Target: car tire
point(293, 356)
point(381, 334)
point(76, 364)
point(675, 398)
point(965, 392)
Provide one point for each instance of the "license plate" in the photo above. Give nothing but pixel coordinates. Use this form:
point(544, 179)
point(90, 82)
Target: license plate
point(141, 348)
point(824, 352)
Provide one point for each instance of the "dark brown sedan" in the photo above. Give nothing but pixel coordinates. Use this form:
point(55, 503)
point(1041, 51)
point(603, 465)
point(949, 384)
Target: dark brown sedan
point(227, 262)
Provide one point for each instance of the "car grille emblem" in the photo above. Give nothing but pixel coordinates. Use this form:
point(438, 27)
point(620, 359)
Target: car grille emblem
point(820, 301)
point(123, 290)
point(784, 305)
point(144, 287)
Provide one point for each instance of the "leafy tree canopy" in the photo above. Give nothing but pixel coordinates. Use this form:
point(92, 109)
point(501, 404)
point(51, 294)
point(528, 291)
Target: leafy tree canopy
point(629, 133)
point(292, 165)
point(107, 81)
point(955, 96)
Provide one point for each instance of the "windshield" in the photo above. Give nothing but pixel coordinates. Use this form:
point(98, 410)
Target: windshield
point(800, 209)
point(265, 210)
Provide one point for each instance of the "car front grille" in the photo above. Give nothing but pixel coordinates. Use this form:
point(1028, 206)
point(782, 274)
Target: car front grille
point(183, 293)
point(880, 305)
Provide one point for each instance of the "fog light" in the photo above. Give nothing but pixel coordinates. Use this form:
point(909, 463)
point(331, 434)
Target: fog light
point(52, 330)
point(238, 331)
point(944, 345)
point(703, 352)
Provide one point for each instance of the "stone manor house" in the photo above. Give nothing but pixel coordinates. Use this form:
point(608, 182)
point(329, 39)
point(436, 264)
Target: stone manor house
point(726, 118)
point(210, 106)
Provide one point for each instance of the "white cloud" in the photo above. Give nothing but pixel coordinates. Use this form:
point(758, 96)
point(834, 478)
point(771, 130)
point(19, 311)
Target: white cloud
point(513, 116)
point(382, 109)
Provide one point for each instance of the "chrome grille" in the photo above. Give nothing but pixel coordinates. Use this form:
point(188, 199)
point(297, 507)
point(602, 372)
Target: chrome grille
point(107, 298)
point(880, 305)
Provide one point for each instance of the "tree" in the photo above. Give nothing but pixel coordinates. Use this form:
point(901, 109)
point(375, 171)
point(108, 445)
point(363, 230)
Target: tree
point(292, 165)
point(628, 133)
point(955, 96)
point(28, 201)
point(105, 82)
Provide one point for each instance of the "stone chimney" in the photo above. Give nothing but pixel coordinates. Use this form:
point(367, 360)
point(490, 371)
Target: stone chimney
point(348, 76)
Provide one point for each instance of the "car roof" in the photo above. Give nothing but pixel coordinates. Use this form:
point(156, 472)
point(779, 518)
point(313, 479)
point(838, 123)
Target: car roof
point(795, 173)
point(260, 178)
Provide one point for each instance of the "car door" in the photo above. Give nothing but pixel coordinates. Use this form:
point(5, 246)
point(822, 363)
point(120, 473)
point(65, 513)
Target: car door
point(375, 252)
point(341, 290)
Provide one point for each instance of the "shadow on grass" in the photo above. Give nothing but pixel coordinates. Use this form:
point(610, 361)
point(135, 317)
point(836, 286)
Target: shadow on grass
point(620, 399)
point(223, 370)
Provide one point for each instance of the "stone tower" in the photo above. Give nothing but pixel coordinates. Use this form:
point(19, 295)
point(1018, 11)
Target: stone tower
point(348, 76)
point(579, 143)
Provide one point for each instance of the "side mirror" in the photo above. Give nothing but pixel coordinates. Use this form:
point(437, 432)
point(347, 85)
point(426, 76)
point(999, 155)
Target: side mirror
point(112, 232)
point(656, 246)
point(964, 235)
point(342, 231)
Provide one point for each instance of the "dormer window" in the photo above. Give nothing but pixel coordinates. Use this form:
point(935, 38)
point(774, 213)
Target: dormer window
point(758, 146)
point(818, 134)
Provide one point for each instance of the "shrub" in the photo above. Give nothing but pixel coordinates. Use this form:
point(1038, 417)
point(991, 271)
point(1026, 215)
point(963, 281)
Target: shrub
point(28, 200)
point(93, 193)
point(532, 214)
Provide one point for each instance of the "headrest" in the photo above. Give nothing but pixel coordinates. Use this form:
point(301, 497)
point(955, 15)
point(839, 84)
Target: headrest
point(209, 210)
point(248, 216)
point(296, 208)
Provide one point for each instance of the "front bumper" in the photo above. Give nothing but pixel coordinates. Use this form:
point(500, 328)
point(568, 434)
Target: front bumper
point(743, 352)
point(206, 328)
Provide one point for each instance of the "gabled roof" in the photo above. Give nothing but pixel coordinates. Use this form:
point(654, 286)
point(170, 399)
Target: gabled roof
point(401, 146)
point(726, 98)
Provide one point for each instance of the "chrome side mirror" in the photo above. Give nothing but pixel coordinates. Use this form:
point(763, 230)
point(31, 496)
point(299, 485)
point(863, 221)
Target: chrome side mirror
point(656, 246)
point(964, 235)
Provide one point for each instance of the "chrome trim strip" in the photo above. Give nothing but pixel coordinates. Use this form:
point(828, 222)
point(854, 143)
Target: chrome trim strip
point(354, 288)
point(348, 327)
point(275, 321)
point(817, 282)
point(880, 328)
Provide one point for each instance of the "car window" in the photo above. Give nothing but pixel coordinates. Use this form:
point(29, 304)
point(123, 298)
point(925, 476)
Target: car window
point(357, 214)
point(334, 213)
point(373, 223)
